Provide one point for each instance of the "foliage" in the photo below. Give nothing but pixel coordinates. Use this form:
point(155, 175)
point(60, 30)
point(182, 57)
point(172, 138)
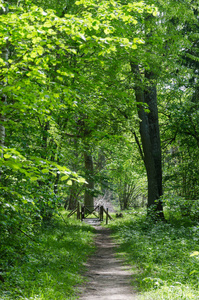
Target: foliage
point(166, 266)
point(128, 181)
point(177, 207)
point(68, 90)
point(67, 68)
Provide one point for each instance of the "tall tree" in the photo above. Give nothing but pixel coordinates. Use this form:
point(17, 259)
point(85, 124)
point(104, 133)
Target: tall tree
point(150, 137)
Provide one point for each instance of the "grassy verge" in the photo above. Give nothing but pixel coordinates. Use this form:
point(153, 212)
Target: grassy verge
point(162, 253)
point(51, 267)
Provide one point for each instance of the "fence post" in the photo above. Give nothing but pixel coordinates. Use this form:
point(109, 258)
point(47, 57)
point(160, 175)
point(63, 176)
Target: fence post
point(82, 214)
point(106, 216)
point(101, 213)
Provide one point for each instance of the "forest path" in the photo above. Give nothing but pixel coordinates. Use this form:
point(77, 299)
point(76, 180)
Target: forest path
point(107, 278)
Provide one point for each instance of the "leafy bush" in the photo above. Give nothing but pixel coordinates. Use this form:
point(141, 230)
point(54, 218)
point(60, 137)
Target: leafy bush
point(178, 207)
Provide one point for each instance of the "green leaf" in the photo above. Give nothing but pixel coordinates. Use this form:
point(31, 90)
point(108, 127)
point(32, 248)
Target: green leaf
point(193, 272)
point(81, 180)
point(69, 182)
point(34, 178)
point(65, 177)
point(33, 54)
point(45, 171)
point(7, 155)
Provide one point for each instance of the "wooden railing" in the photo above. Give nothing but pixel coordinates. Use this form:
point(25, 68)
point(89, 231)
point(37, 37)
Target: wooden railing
point(84, 211)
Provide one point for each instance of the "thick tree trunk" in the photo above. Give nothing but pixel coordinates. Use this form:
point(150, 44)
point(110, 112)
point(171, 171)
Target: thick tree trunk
point(88, 195)
point(150, 137)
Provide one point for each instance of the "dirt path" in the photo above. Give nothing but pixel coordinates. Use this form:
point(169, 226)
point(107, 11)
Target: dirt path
point(108, 278)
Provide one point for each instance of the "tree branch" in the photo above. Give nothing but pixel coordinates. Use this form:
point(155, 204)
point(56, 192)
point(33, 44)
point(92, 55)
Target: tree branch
point(139, 145)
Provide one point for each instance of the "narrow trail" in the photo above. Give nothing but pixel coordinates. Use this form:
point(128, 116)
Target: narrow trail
point(107, 278)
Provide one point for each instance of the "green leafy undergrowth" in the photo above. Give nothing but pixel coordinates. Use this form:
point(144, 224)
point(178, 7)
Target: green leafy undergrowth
point(50, 266)
point(165, 256)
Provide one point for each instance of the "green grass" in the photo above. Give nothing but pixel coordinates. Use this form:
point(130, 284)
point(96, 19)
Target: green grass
point(51, 268)
point(160, 255)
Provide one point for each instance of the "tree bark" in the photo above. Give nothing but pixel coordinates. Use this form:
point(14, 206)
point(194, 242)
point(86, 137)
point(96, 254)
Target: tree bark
point(72, 201)
point(150, 138)
point(88, 195)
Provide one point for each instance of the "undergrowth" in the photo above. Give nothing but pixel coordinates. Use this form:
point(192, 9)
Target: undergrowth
point(48, 267)
point(164, 255)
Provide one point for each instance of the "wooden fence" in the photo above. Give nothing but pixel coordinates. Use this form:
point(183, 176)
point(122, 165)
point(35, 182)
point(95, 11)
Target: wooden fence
point(84, 211)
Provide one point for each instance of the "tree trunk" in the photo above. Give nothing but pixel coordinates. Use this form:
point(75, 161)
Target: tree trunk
point(72, 201)
point(5, 57)
point(150, 137)
point(88, 195)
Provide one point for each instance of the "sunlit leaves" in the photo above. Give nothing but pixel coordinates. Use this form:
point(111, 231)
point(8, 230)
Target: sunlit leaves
point(195, 253)
point(35, 168)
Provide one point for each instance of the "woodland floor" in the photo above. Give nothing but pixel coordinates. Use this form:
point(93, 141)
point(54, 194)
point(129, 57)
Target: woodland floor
point(106, 278)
